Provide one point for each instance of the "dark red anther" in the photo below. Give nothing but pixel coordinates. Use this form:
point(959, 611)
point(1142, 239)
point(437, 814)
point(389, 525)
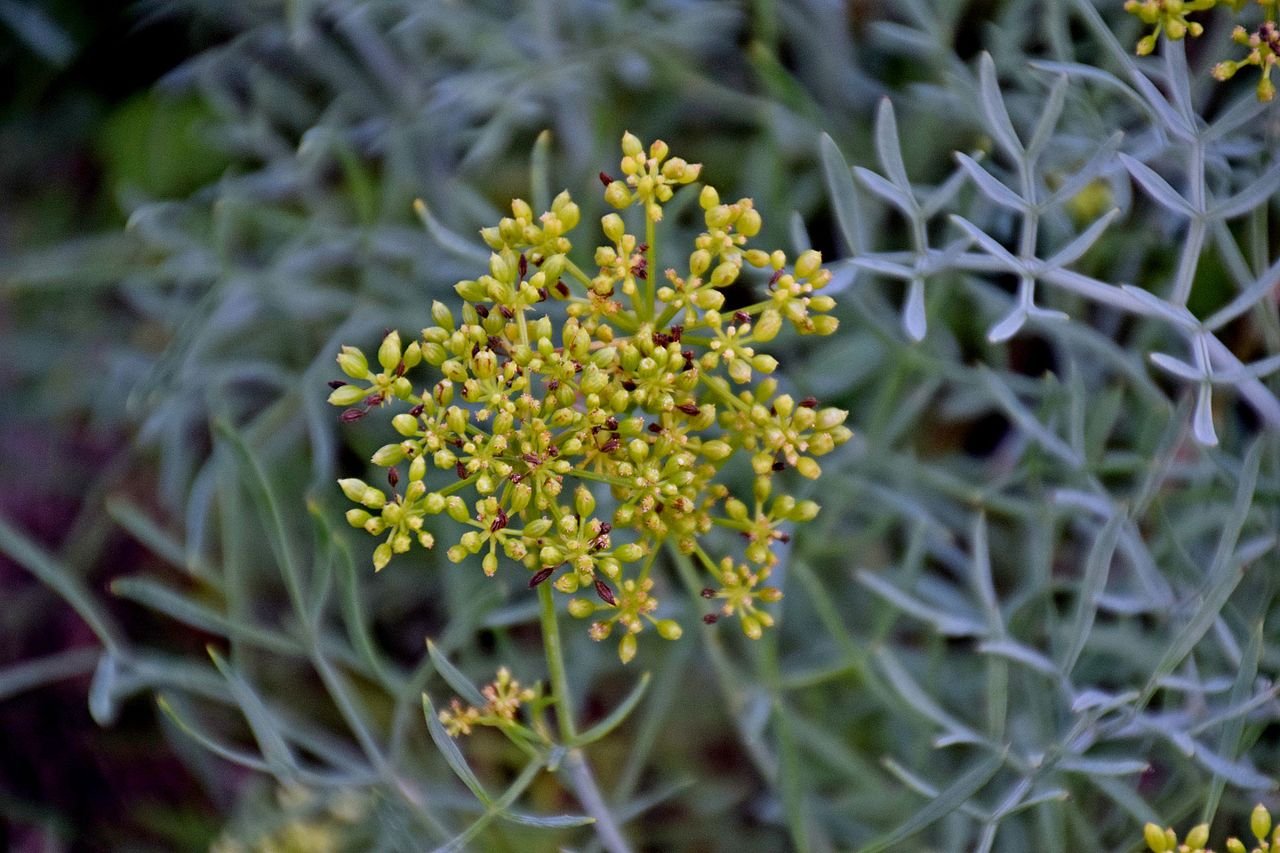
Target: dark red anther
point(553, 451)
point(483, 311)
point(640, 269)
point(393, 477)
point(605, 179)
point(741, 318)
point(553, 385)
point(460, 470)
point(532, 459)
point(417, 410)
point(524, 266)
point(611, 445)
point(711, 619)
point(335, 384)
point(350, 416)
point(643, 247)
point(400, 368)
point(661, 339)
point(784, 538)
point(708, 592)
point(562, 288)
point(773, 279)
point(677, 332)
point(540, 575)
point(779, 465)
point(655, 427)
point(660, 508)
point(628, 385)
point(809, 403)
point(611, 423)
point(506, 312)
point(687, 355)
point(605, 528)
point(543, 294)
point(499, 521)
point(606, 594)
point(690, 409)
point(373, 400)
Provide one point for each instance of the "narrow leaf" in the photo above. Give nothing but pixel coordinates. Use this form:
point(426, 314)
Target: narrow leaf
point(452, 755)
point(959, 792)
point(843, 195)
point(616, 716)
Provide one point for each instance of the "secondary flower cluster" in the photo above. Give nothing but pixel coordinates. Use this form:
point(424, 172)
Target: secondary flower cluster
point(1170, 17)
point(503, 698)
point(1165, 840)
point(577, 446)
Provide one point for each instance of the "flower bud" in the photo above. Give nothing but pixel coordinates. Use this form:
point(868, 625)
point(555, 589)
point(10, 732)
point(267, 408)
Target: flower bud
point(405, 424)
point(749, 222)
point(631, 146)
point(346, 395)
point(381, 556)
point(581, 608)
point(617, 195)
point(630, 552)
point(1198, 836)
point(389, 352)
point(441, 315)
point(353, 363)
point(1260, 821)
point(808, 263)
point(627, 648)
point(388, 455)
point(808, 467)
point(716, 450)
point(708, 198)
point(668, 629)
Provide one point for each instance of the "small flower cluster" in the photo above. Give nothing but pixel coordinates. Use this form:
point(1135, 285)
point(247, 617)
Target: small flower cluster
point(1170, 17)
point(503, 698)
point(647, 392)
point(1165, 840)
point(1264, 49)
point(309, 822)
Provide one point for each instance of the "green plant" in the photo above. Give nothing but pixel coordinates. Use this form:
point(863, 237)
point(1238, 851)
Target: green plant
point(1038, 606)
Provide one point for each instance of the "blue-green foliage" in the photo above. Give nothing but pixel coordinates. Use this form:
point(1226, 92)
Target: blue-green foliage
point(1037, 608)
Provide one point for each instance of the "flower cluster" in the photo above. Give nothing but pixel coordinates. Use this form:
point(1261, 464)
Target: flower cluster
point(503, 698)
point(1264, 49)
point(576, 422)
point(1170, 18)
point(1165, 840)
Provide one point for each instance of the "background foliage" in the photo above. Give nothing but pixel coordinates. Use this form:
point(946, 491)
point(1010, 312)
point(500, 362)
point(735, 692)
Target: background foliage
point(1035, 612)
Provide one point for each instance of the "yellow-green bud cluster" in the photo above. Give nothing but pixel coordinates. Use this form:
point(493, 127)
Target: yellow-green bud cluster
point(574, 423)
point(503, 698)
point(1170, 18)
point(1165, 840)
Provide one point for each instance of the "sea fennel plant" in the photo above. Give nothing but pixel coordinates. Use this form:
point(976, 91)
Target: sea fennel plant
point(649, 391)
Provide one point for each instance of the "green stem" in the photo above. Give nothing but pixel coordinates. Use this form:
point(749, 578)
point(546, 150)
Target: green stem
point(651, 266)
point(576, 768)
point(555, 662)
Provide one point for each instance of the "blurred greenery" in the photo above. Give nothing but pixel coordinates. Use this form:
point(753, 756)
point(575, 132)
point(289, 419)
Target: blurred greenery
point(1034, 613)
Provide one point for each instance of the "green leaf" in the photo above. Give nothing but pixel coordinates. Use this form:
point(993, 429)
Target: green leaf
point(272, 743)
point(540, 172)
point(461, 685)
point(616, 716)
point(264, 495)
point(34, 674)
point(948, 800)
point(1223, 576)
point(61, 580)
point(843, 195)
point(1096, 569)
point(1233, 730)
point(177, 606)
point(452, 755)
